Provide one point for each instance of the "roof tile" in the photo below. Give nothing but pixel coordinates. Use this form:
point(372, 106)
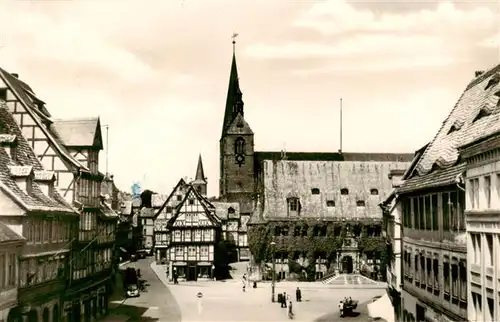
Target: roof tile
point(7, 138)
point(19, 171)
point(44, 175)
point(8, 235)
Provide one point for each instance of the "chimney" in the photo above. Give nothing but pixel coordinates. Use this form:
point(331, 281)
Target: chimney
point(478, 73)
point(16, 75)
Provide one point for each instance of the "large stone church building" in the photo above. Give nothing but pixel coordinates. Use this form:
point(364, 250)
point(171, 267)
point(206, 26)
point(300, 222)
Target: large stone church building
point(316, 213)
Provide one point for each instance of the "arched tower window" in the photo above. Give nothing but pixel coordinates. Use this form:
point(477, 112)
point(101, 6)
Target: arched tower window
point(239, 146)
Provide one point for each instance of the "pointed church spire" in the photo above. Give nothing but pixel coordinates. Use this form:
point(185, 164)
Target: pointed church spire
point(234, 100)
point(200, 174)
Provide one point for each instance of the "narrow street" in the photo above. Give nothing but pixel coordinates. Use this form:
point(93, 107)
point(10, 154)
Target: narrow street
point(156, 303)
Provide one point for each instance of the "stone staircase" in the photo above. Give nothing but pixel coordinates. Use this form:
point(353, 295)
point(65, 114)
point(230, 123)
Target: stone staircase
point(349, 279)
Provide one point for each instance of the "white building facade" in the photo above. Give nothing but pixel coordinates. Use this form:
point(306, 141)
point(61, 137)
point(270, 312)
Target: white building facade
point(483, 228)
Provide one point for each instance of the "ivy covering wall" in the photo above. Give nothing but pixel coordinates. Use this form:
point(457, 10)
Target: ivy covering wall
point(302, 239)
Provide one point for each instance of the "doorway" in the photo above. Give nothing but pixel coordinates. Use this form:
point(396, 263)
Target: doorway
point(191, 272)
point(347, 266)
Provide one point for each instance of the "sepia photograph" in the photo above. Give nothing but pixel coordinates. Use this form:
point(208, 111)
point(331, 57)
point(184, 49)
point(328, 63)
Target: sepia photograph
point(249, 160)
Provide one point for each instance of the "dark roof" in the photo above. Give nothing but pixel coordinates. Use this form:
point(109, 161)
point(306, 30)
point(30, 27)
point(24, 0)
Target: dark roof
point(234, 96)
point(480, 98)
point(179, 184)
point(40, 115)
point(334, 156)
point(200, 174)
point(79, 132)
point(365, 181)
point(147, 213)
point(25, 159)
point(8, 235)
point(209, 209)
point(435, 179)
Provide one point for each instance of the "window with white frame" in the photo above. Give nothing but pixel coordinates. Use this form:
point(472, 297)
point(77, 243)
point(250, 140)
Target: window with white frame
point(179, 251)
point(191, 251)
point(204, 250)
point(177, 235)
point(487, 191)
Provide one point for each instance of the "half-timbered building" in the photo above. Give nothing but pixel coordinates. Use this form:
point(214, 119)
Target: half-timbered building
point(194, 231)
point(34, 209)
point(69, 148)
point(162, 216)
point(11, 245)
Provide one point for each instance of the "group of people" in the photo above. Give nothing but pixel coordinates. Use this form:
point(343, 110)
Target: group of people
point(286, 302)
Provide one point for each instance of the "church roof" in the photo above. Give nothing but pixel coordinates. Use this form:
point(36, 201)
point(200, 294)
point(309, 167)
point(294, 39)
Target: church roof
point(326, 189)
point(223, 210)
point(475, 116)
point(200, 174)
point(233, 96)
point(79, 132)
point(335, 156)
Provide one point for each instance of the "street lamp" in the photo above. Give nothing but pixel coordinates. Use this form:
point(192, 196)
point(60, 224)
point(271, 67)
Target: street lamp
point(273, 283)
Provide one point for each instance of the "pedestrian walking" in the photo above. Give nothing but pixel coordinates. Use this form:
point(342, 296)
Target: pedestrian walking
point(290, 311)
point(298, 295)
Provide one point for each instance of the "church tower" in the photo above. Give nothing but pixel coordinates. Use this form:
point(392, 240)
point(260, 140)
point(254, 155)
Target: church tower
point(200, 182)
point(236, 144)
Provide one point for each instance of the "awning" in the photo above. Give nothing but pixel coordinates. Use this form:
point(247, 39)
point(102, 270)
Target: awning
point(382, 309)
point(123, 250)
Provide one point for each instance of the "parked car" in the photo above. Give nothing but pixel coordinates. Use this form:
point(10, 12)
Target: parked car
point(132, 290)
point(133, 258)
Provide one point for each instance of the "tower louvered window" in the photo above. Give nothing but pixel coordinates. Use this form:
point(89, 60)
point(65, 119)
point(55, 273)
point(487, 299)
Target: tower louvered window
point(239, 146)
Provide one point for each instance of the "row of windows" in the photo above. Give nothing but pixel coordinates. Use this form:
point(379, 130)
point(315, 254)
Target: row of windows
point(477, 250)
point(343, 191)
point(195, 235)
point(425, 272)
point(478, 312)
point(424, 212)
point(487, 187)
point(295, 206)
point(321, 231)
point(47, 231)
point(191, 250)
point(39, 270)
point(8, 265)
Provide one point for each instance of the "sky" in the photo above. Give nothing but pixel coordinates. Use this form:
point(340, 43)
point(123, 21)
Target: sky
point(157, 73)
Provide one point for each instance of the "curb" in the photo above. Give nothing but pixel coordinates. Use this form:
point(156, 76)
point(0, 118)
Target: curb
point(123, 264)
point(158, 273)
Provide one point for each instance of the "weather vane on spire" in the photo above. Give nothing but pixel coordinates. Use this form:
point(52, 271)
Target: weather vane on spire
point(234, 40)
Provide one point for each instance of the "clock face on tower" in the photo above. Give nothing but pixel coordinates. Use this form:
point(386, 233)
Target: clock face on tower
point(240, 159)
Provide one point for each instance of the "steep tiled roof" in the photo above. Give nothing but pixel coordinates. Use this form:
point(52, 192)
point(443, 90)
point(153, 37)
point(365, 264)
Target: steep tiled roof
point(147, 213)
point(367, 182)
point(8, 235)
point(158, 199)
point(436, 179)
point(333, 156)
point(222, 209)
point(207, 206)
point(26, 96)
point(179, 184)
point(443, 150)
point(107, 212)
point(26, 161)
point(79, 132)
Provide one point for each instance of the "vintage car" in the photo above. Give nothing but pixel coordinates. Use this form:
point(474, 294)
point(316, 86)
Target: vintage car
point(347, 306)
point(132, 290)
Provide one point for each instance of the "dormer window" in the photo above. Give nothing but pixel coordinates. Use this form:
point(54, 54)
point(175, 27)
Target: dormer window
point(374, 192)
point(457, 125)
point(293, 206)
point(344, 191)
point(230, 210)
point(315, 191)
point(45, 181)
point(493, 81)
point(482, 113)
point(360, 203)
point(8, 142)
point(330, 203)
point(179, 197)
point(191, 201)
point(23, 176)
